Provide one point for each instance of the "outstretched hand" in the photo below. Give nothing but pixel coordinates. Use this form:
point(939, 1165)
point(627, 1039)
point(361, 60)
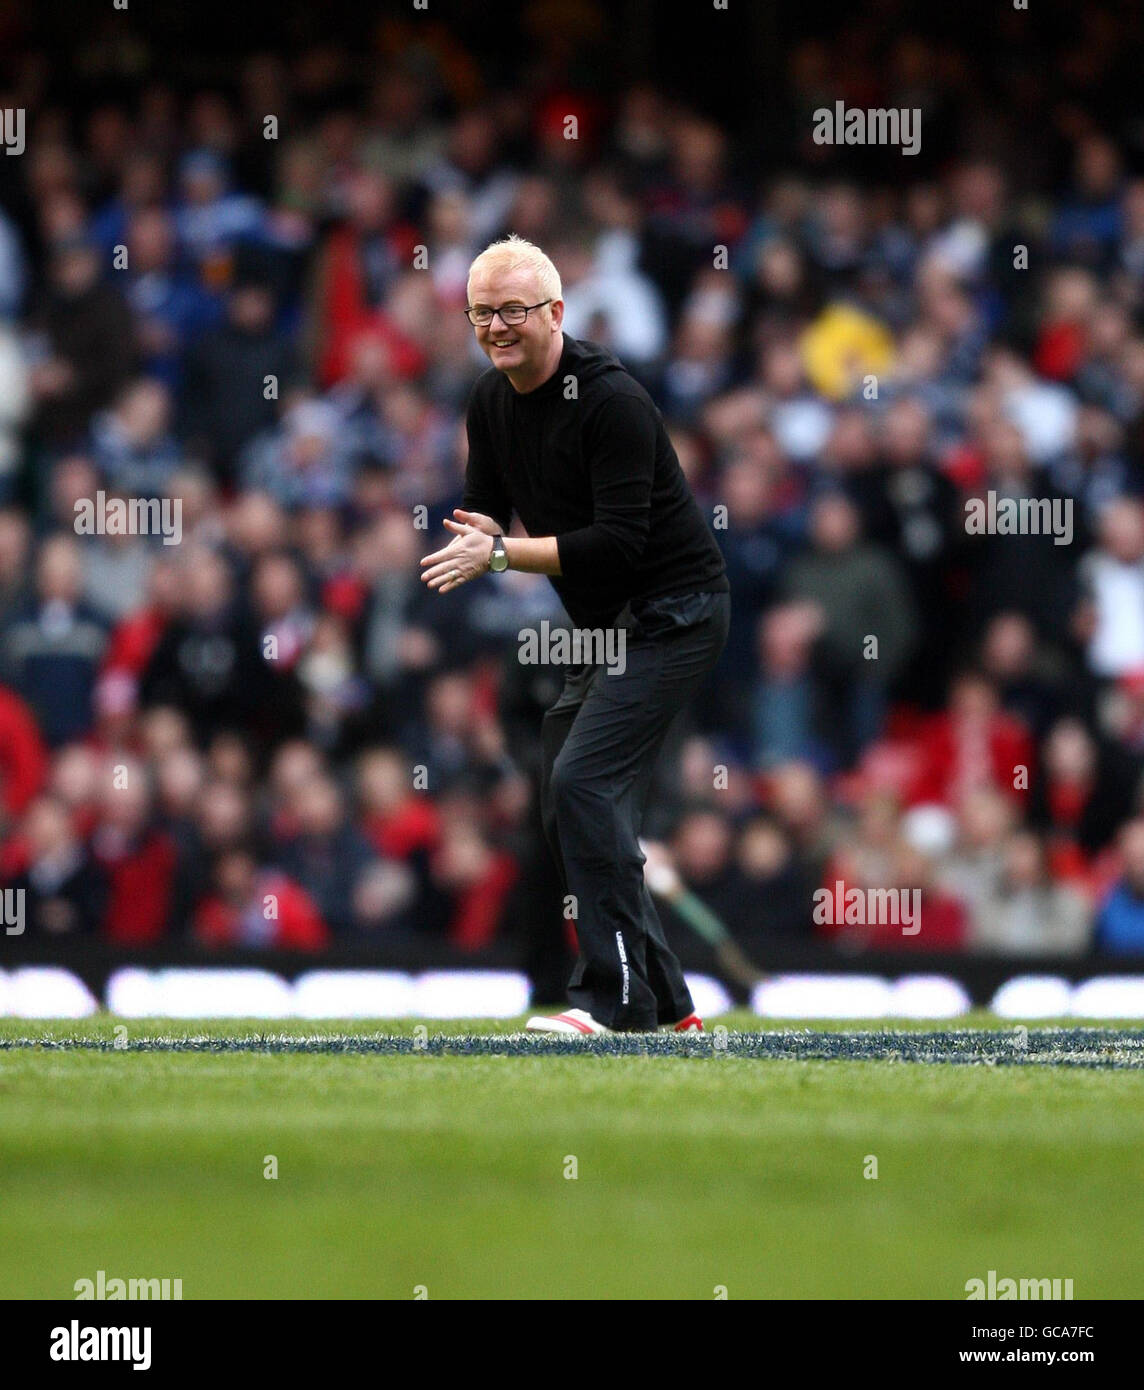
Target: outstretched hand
point(464, 558)
point(478, 520)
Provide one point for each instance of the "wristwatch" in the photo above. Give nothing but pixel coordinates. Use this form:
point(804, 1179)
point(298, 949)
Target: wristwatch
point(498, 560)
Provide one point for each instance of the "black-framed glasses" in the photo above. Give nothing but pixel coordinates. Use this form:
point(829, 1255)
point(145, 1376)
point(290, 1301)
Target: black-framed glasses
point(511, 314)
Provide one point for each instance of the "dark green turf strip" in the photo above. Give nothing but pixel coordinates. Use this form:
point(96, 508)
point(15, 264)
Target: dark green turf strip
point(1075, 1047)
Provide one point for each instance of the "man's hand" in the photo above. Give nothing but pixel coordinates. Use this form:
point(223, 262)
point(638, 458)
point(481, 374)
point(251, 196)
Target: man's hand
point(465, 557)
point(476, 520)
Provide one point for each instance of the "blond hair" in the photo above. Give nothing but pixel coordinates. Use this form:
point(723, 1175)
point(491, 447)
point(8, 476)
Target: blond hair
point(515, 253)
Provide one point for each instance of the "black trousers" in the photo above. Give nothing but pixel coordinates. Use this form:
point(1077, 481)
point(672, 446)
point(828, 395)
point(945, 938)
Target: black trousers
point(601, 740)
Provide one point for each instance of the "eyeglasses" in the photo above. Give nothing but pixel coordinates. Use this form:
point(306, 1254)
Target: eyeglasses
point(511, 314)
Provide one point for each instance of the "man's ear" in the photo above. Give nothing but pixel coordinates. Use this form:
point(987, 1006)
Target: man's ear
point(557, 308)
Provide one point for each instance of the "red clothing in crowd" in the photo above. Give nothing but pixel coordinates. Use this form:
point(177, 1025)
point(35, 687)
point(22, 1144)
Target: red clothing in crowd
point(298, 925)
point(479, 907)
point(346, 314)
point(23, 759)
point(415, 825)
point(345, 595)
point(941, 916)
point(1067, 859)
point(1060, 350)
point(139, 889)
point(956, 758)
point(134, 640)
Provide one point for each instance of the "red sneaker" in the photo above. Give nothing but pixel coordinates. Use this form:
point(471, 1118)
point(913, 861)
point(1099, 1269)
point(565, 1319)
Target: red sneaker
point(691, 1024)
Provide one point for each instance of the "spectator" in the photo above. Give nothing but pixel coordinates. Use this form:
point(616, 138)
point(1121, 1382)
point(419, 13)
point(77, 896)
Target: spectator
point(299, 461)
point(1026, 913)
point(137, 857)
point(211, 218)
point(860, 594)
point(131, 444)
point(785, 708)
point(250, 907)
point(23, 762)
point(1088, 224)
point(985, 820)
point(1027, 572)
point(1079, 798)
point(207, 662)
point(973, 744)
point(757, 543)
point(51, 647)
point(116, 574)
point(135, 637)
point(63, 890)
point(474, 879)
point(235, 374)
point(773, 900)
point(608, 300)
point(702, 847)
point(1114, 580)
point(327, 855)
point(172, 309)
point(911, 509)
point(87, 345)
point(355, 272)
point(1120, 921)
point(399, 822)
point(1027, 678)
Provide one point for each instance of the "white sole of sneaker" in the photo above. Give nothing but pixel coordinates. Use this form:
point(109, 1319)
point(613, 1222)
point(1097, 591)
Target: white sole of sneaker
point(561, 1024)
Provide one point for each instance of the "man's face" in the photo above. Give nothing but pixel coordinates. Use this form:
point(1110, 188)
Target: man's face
point(519, 347)
point(251, 308)
point(834, 525)
point(75, 271)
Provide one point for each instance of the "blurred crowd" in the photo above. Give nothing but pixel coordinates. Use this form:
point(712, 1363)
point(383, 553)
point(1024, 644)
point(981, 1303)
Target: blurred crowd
point(263, 320)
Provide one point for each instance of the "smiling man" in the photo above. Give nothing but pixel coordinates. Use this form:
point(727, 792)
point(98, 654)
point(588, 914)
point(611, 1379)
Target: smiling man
point(561, 436)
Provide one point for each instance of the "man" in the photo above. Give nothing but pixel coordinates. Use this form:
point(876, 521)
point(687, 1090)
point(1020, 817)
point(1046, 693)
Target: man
point(561, 435)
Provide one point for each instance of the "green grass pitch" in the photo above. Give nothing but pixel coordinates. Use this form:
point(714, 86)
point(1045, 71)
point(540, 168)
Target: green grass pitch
point(696, 1168)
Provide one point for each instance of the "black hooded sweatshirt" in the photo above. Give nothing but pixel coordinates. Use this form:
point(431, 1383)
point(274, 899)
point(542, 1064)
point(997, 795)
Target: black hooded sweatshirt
point(586, 458)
